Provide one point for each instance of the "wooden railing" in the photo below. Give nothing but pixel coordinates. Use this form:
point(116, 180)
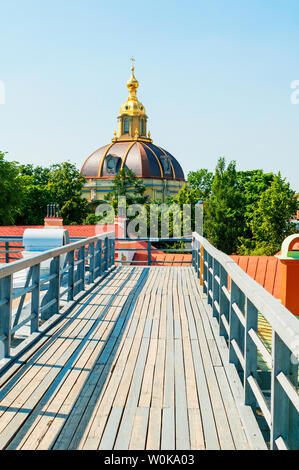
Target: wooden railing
point(71, 269)
point(236, 300)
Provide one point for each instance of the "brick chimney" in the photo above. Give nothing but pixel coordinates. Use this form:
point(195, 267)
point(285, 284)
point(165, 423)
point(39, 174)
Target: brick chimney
point(53, 219)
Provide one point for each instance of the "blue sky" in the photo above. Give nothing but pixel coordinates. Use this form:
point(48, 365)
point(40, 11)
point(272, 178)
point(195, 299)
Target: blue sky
point(215, 78)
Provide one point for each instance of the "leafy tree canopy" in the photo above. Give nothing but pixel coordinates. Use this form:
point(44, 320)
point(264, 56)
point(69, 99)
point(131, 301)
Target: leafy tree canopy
point(11, 191)
point(127, 184)
point(201, 181)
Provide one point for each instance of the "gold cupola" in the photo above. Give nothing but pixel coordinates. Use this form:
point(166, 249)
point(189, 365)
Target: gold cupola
point(132, 120)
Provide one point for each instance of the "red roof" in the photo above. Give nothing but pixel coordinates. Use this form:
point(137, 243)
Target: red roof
point(159, 258)
point(266, 270)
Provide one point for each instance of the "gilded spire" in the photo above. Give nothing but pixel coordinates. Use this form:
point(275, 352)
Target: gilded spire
point(132, 83)
point(132, 120)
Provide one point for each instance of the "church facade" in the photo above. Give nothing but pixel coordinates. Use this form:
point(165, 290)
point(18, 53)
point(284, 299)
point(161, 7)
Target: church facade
point(132, 147)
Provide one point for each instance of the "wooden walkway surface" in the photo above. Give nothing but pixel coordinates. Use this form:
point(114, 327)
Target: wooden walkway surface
point(134, 366)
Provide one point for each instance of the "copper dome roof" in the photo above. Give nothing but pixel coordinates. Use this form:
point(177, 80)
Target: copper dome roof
point(144, 158)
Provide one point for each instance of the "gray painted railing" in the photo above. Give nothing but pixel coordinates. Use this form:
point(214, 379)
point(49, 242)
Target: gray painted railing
point(149, 250)
point(72, 268)
point(235, 300)
point(10, 246)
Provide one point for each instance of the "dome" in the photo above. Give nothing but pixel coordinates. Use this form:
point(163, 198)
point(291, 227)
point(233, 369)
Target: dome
point(144, 158)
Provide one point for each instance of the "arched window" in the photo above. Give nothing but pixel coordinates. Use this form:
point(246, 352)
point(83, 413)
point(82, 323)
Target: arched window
point(126, 126)
point(142, 127)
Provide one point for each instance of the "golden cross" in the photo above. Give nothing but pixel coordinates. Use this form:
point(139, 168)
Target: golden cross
point(133, 60)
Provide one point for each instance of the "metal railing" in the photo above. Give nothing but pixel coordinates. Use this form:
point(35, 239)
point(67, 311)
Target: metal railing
point(149, 250)
point(10, 246)
point(236, 300)
point(69, 269)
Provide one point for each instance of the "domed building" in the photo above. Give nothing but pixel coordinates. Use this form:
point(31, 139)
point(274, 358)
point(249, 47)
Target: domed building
point(133, 148)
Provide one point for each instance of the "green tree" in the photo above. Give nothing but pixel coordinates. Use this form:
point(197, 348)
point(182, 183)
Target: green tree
point(127, 184)
point(65, 186)
point(201, 181)
point(270, 223)
point(224, 210)
point(252, 185)
point(11, 191)
point(36, 195)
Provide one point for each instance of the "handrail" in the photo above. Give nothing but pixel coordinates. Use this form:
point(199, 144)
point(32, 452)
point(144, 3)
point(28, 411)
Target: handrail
point(8, 247)
point(70, 268)
point(236, 300)
point(27, 263)
point(148, 250)
point(279, 317)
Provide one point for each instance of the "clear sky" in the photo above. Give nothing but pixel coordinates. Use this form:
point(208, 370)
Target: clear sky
point(215, 77)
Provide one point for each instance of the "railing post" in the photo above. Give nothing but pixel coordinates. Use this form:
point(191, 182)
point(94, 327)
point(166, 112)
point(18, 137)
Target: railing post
point(105, 266)
point(71, 276)
point(215, 287)
point(284, 417)
point(91, 263)
point(223, 303)
point(81, 268)
point(149, 253)
point(100, 258)
point(250, 352)
point(194, 254)
point(97, 260)
point(234, 325)
point(113, 251)
point(210, 279)
point(205, 271)
point(6, 252)
point(5, 315)
point(35, 297)
point(197, 259)
point(53, 290)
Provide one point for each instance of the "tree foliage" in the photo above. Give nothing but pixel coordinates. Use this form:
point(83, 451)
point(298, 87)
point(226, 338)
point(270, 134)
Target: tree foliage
point(201, 181)
point(224, 209)
point(65, 186)
point(11, 191)
point(127, 184)
point(26, 190)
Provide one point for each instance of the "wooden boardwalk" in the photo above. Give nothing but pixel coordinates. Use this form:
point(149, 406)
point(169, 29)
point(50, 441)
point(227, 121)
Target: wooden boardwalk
point(135, 365)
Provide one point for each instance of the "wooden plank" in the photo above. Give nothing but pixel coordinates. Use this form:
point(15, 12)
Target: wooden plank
point(65, 439)
point(215, 356)
point(158, 383)
point(124, 433)
point(197, 441)
point(87, 327)
point(181, 414)
point(110, 432)
point(168, 429)
point(139, 430)
point(147, 383)
point(207, 415)
point(62, 401)
point(236, 427)
point(154, 429)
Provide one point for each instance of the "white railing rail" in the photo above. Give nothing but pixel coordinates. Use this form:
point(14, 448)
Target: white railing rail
point(236, 300)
